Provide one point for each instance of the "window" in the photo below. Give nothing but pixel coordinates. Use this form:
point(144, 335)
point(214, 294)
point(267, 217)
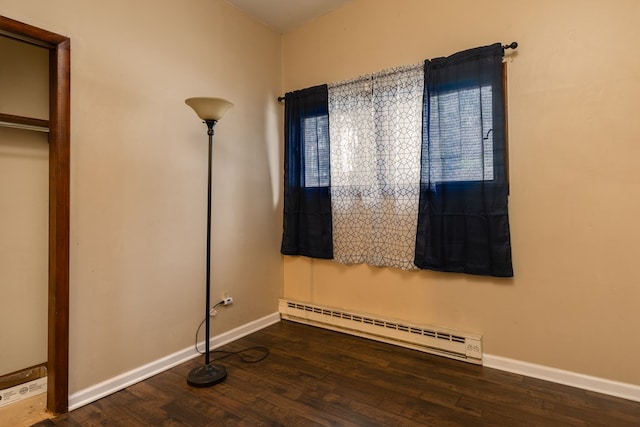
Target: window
point(316, 151)
point(404, 168)
point(463, 140)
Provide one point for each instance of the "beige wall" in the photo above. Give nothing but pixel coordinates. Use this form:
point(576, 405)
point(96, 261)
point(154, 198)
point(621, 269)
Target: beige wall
point(574, 204)
point(138, 174)
point(24, 166)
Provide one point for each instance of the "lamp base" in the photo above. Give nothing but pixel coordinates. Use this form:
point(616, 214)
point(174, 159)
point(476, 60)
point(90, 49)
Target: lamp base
point(206, 375)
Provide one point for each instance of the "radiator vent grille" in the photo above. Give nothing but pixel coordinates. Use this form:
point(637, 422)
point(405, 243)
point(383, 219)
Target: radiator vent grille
point(436, 340)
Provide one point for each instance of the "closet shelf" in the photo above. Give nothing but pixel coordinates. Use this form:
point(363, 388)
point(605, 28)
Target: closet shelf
point(27, 123)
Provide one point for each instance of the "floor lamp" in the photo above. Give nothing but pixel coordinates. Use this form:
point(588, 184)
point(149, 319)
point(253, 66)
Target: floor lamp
point(210, 110)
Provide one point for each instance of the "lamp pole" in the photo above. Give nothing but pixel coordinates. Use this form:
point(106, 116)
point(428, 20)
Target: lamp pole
point(210, 125)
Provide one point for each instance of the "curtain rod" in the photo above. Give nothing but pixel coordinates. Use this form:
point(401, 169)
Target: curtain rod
point(512, 45)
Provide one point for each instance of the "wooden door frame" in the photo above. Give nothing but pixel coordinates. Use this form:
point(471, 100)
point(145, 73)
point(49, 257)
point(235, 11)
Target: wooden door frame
point(59, 153)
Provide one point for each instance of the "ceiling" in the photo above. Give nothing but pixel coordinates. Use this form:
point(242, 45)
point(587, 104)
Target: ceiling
point(285, 15)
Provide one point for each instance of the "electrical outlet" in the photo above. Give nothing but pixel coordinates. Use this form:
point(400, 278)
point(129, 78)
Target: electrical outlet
point(227, 301)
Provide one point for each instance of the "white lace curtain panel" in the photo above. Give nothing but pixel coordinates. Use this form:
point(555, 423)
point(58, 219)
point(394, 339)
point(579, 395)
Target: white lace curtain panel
point(375, 130)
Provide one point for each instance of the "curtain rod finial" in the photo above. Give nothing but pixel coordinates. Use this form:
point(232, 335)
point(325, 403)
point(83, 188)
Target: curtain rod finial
point(513, 45)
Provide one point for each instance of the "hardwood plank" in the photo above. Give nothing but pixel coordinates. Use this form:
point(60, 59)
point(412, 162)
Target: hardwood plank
point(315, 377)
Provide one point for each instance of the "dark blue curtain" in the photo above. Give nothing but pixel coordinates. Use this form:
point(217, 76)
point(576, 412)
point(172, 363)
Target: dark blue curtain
point(307, 225)
point(463, 223)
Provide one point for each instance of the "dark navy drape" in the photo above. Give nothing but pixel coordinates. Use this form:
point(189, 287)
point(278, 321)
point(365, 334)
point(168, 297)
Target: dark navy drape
point(463, 223)
point(307, 225)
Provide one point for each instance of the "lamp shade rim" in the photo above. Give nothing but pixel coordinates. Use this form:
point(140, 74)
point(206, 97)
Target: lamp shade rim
point(209, 108)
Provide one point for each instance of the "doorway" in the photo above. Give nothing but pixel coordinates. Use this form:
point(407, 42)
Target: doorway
point(58, 248)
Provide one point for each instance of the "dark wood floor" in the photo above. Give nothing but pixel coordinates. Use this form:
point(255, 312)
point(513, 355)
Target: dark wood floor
point(318, 377)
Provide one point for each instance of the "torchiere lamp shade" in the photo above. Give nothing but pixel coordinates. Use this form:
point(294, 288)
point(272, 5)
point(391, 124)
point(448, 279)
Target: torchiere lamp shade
point(209, 108)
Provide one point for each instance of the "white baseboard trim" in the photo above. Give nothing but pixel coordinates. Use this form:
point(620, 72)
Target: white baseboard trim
point(105, 388)
point(573, 379)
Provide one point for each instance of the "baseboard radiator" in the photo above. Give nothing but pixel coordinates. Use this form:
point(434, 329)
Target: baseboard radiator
point(436, 340)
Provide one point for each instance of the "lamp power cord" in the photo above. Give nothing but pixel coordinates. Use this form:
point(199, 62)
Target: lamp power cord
point(262, 352)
